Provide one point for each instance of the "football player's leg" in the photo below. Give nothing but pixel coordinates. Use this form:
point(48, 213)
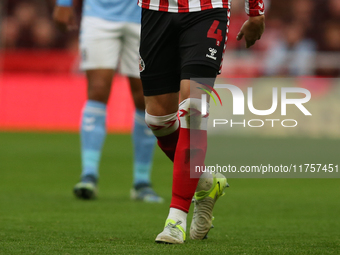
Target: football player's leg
point(143, 139)
point(93, 123)
point(160, 73)
point(100, 51)
point(196, 65)
point(192, 143)
point(161, 117)
point(143, 149)
point(200, 66)
point(191, 147)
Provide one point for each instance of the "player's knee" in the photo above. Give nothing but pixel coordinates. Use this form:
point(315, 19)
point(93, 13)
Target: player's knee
point(162, 125)
point(99, 90)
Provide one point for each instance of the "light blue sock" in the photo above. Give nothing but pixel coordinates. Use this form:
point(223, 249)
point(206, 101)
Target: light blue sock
point(93, 132)
point(143, 145)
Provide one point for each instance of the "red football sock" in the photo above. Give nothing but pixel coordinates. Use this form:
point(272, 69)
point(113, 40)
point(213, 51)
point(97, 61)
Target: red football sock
point(168, 143)
point(191, 148)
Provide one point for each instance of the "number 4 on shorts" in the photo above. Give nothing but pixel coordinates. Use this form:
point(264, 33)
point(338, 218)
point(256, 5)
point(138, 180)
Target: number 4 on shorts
point(215, 33)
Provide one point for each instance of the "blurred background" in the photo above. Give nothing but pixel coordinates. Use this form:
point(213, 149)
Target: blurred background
point(42, 88)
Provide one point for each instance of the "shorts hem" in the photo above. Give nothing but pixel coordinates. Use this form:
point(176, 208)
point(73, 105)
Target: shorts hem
point(93, 67)
point(160, 91)
point(202, 64)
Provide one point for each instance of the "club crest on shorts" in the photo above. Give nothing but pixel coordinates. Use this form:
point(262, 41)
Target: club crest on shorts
point(141, 64)
point(212, 53)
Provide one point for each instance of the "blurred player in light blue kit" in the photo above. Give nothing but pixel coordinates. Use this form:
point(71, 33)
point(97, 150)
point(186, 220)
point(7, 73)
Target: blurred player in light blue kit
point(109, 39)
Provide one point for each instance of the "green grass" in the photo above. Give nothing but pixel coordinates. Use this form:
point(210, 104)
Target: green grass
point(39, 215)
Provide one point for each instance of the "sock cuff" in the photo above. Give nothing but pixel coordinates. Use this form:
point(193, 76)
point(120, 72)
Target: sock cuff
point(95, 107)
point(96, 104)
point(162, 125)
point(179, 213)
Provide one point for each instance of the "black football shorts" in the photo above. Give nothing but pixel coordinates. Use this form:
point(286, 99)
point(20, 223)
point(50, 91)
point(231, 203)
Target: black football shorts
point(176, 46)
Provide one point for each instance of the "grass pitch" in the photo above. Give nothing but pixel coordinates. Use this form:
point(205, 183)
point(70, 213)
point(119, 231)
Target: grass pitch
point(39, 214)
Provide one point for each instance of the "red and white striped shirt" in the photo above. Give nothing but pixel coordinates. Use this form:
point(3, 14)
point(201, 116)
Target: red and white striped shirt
point(253, 7)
